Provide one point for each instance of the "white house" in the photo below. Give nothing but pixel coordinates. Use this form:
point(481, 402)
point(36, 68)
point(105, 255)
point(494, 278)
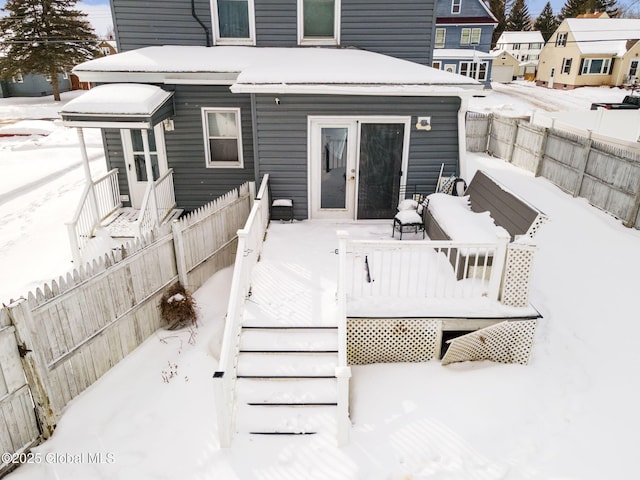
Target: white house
point(524, 46)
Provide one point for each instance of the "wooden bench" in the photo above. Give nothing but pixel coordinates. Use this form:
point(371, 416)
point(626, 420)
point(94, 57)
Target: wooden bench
point(508, 210)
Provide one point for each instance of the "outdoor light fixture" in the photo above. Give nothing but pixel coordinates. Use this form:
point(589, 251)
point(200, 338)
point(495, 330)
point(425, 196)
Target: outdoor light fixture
point(277, 100)
point(424, 123)
point(167, 123)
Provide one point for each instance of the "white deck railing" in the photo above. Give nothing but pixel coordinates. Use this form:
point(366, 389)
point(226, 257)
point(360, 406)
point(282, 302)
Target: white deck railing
point(158, 202)
point(99, 199)
point(250, 241)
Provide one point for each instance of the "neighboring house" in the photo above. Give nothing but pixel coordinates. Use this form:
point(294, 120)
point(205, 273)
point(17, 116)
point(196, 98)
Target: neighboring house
point(247, 106)
point(524, 46)
point(32, 85)
point(591, 52)
point(462, 38)
point(108, 47)
point(505, 68)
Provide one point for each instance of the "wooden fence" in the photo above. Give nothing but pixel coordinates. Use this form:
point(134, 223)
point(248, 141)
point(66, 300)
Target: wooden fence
point(76, 328)
point(477, 131)
point(607, 174)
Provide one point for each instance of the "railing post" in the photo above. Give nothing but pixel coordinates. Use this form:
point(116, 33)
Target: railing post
point(152, 183)
point(341, 294)
point(343, 424)
point(498, 263)
point(178, 246)
point(223, 409)
point(73, 242)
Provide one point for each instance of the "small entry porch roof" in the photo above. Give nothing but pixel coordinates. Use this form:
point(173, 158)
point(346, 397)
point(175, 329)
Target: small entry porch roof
point(119, 105)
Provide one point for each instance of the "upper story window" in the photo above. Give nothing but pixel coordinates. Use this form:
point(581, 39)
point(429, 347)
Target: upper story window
point(535, 46)
point(561, 39)
point(456, 6)
point(440, 37)
point(222, 137)
point(233, 22)
point(319, 22)
point(516, 46)
point(470, 36)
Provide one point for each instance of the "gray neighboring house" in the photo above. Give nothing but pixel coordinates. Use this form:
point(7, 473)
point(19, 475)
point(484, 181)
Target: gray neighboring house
point(339, 103)
point(32, 85)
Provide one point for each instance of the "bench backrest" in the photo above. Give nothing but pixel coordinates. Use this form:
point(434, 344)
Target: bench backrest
point(508, 210)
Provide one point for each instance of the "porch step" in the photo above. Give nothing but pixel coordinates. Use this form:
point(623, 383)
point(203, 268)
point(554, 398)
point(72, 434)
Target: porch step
point(290, 364)
point(293, 390)
point(122, 224)
point(286, 419)
point(279, 340)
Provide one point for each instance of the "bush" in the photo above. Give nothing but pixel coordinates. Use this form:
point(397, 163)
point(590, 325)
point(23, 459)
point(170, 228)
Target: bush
point(178, 308)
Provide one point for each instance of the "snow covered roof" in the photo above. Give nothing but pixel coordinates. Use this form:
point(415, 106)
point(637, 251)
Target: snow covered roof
point(277, 70)
point(119, 103)
point(603, 35)
point(521, 37)
point(459, 53)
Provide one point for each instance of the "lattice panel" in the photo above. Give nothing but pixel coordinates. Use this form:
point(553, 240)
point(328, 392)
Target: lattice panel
point(517, 275)
point(540, 220)
point(505, 342)
point(383, 340)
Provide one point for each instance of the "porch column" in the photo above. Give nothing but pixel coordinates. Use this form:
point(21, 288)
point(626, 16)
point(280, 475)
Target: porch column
point(85, 157)
point(152, 183)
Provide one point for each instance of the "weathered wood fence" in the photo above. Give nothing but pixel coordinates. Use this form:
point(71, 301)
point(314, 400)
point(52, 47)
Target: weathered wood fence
point(585, 165)
point(76, 328)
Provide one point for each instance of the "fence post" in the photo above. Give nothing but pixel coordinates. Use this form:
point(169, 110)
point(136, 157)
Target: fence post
point(33, 363)
point(631, 221)
point(540, 157)
point(179, 250)
point(514, 137)
point(583, 168)
point(499, 261)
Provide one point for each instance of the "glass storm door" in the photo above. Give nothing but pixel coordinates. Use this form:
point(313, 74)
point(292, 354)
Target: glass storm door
point(135, 161)
point(381, 154)
point(333, 169)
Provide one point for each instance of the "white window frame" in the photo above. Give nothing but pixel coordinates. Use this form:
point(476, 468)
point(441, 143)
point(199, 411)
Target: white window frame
point(217, 40)
point(561, 39)
point(462, 35)
point(335, 40)
point(436, 64)
point(48, 78)
point(205, 132)
point(444, 38)
point(566, 65)
point(466, 67)
point(476, 34)
point(65, 75)
point(17, 78)
point(456, 6)
point(604, 69)
point(516, 46)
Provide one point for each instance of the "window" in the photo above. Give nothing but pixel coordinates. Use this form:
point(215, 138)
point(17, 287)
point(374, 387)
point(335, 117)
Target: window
point(436, 64)
point(17, 78)
point(596, 66)
point(477, 70)
point(566, 65)
point(319, 22)
point(516, 46)
point(65, 75)
point(222, 137)
point(561, 39)
point(47, 77)
point(233, 22)
point(137, 149)
point(456, 6)
point(535, 46)
point(440, 36)
point(105, 50)
point(470, 36)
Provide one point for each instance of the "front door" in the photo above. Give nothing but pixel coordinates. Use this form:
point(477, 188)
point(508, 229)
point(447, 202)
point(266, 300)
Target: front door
point(356, 166)
point(633, 71)
point(135, 161)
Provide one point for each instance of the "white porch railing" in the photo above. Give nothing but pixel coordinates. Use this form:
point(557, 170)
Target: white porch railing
point(99, 199)
point(250, 241)
point(390, 274)
point(158, 202)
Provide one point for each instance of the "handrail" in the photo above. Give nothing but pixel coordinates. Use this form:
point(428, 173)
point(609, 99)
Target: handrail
point(159, 198)
point(250, 241)
point(99, 199)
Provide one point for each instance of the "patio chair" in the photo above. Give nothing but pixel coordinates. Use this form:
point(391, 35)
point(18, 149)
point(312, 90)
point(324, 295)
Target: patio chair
point(410, 217)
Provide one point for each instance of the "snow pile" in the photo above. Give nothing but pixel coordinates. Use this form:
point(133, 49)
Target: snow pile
point(456, 218)
point(117, 98)
point(27, 127)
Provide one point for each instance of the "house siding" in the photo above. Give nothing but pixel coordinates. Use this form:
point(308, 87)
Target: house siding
point(194, 183)
point(282, 137)
point(404, 31)
point(35, 85)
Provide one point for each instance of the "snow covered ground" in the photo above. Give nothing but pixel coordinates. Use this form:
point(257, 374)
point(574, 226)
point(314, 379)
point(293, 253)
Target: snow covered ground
point(569, 415)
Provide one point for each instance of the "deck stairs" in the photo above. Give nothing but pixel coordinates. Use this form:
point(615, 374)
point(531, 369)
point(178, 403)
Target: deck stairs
point(122, 223)
point(286, 380)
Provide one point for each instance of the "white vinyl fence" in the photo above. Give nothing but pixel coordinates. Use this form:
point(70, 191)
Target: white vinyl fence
point(76, 328)
point(587, 165)
point(250, 242)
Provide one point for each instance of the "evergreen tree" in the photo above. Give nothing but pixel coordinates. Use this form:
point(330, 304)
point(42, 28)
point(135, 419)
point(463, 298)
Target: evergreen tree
point(45, 36)
point(573, 8)
point(547, 22)
point(499, 10)
point(519, 18)
point(609, 6)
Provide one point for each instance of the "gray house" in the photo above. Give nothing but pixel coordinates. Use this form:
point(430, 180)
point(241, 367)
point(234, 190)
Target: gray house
point(32, 85)
point(336, 100)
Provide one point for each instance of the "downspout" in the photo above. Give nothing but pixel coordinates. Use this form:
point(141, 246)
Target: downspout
point(204, 27)
point(462, 136)
point(254, 128)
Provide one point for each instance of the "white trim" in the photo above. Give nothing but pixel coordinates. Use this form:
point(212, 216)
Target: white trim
point(217, 40)
point(319, 41)
point(457, 3)
point(375, 90)
point(119, 125)
point(187, 78)
point(205, 134)
point(444, 38)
